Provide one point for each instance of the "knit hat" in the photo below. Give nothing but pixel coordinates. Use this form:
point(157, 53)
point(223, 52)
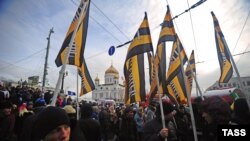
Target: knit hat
point(39, 102)
point(86, 110)
point(47, 120)
point(69, 109)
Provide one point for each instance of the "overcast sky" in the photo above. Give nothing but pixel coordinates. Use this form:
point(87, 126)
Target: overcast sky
point(25, 25)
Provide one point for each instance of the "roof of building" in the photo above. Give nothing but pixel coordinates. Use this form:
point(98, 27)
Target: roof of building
point(111, 70)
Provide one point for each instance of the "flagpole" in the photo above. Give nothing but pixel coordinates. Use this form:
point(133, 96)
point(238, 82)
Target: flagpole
point(196, 82)
point(188, 95)
point(61, 72)
point(77, 95)
point(159, 95)
point(237, 72)
point(195, 79)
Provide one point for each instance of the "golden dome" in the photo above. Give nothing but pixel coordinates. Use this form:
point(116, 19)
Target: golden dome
point(112, 70)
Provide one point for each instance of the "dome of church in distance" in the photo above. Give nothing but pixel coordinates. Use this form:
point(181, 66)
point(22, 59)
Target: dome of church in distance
point(111, 70)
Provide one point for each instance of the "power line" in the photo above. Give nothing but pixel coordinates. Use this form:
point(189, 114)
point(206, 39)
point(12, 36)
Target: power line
point(105, 29)
point(18, 61)
point(110, 21)
point(100, 23)
point(105, 51)
point(192, 7)
point(241, 31)
point(193, 32)
point(243, 53)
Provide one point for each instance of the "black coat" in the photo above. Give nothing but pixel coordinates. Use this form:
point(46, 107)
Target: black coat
point(91, 129)
point(153, 128)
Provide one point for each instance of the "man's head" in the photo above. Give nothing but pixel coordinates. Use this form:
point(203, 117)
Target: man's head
point(168, 110)
point(6, 107)
point(52, 123)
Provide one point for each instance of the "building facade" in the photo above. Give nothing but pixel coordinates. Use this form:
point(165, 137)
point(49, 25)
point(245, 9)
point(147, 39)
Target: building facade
point(233, 83)
point(111, 89)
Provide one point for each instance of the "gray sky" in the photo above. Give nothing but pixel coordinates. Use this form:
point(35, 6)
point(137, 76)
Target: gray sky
point(25, 26)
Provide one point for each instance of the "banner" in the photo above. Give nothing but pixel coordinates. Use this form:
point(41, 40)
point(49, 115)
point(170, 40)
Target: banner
point(77, 50)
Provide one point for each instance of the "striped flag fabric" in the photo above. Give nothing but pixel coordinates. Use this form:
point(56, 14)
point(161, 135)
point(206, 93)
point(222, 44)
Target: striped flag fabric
point(175, 81)
point(77, 50)
point(134, 63)
point(222, 52)
point(87, 84)
point(142, 41)
point(188, 72)
point(135, 78)
point(167, 34)
point(175, 63)
point(167, 31)
point(150, 67)
point(176, 89)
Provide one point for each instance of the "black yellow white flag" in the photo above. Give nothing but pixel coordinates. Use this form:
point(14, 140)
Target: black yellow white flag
point(222, 52)
point(167, 34)
point(134, 63)
point(188, 72)
point(175, 63)
point(87, 84)
point(77, 49)
point(135, 79)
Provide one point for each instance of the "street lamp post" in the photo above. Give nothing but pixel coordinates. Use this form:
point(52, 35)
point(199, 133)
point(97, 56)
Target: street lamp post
point(64, 75)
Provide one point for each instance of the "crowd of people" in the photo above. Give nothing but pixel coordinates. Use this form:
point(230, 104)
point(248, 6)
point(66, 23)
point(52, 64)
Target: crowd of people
point(25, 115)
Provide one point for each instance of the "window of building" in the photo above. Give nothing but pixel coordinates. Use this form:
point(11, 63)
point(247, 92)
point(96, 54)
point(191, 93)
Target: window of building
point(248, 83)
point(234, 84)
point(229, 85)
point(101, 88)
point(107, 88)
point(244, 84)
point(101, 95)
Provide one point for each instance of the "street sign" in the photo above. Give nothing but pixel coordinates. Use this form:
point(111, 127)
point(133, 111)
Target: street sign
point(111, 50)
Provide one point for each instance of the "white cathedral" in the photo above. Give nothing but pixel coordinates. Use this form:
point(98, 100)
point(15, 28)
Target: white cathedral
point(111, 89)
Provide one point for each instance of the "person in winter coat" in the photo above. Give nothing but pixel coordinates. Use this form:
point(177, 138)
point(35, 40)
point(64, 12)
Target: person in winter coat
point(241, 112)
point(89, 126)
point(127, 131)
point(7, 121)
point(154, 131)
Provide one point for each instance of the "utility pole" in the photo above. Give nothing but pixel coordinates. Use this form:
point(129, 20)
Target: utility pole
point(45, 72)
point(64, 75)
